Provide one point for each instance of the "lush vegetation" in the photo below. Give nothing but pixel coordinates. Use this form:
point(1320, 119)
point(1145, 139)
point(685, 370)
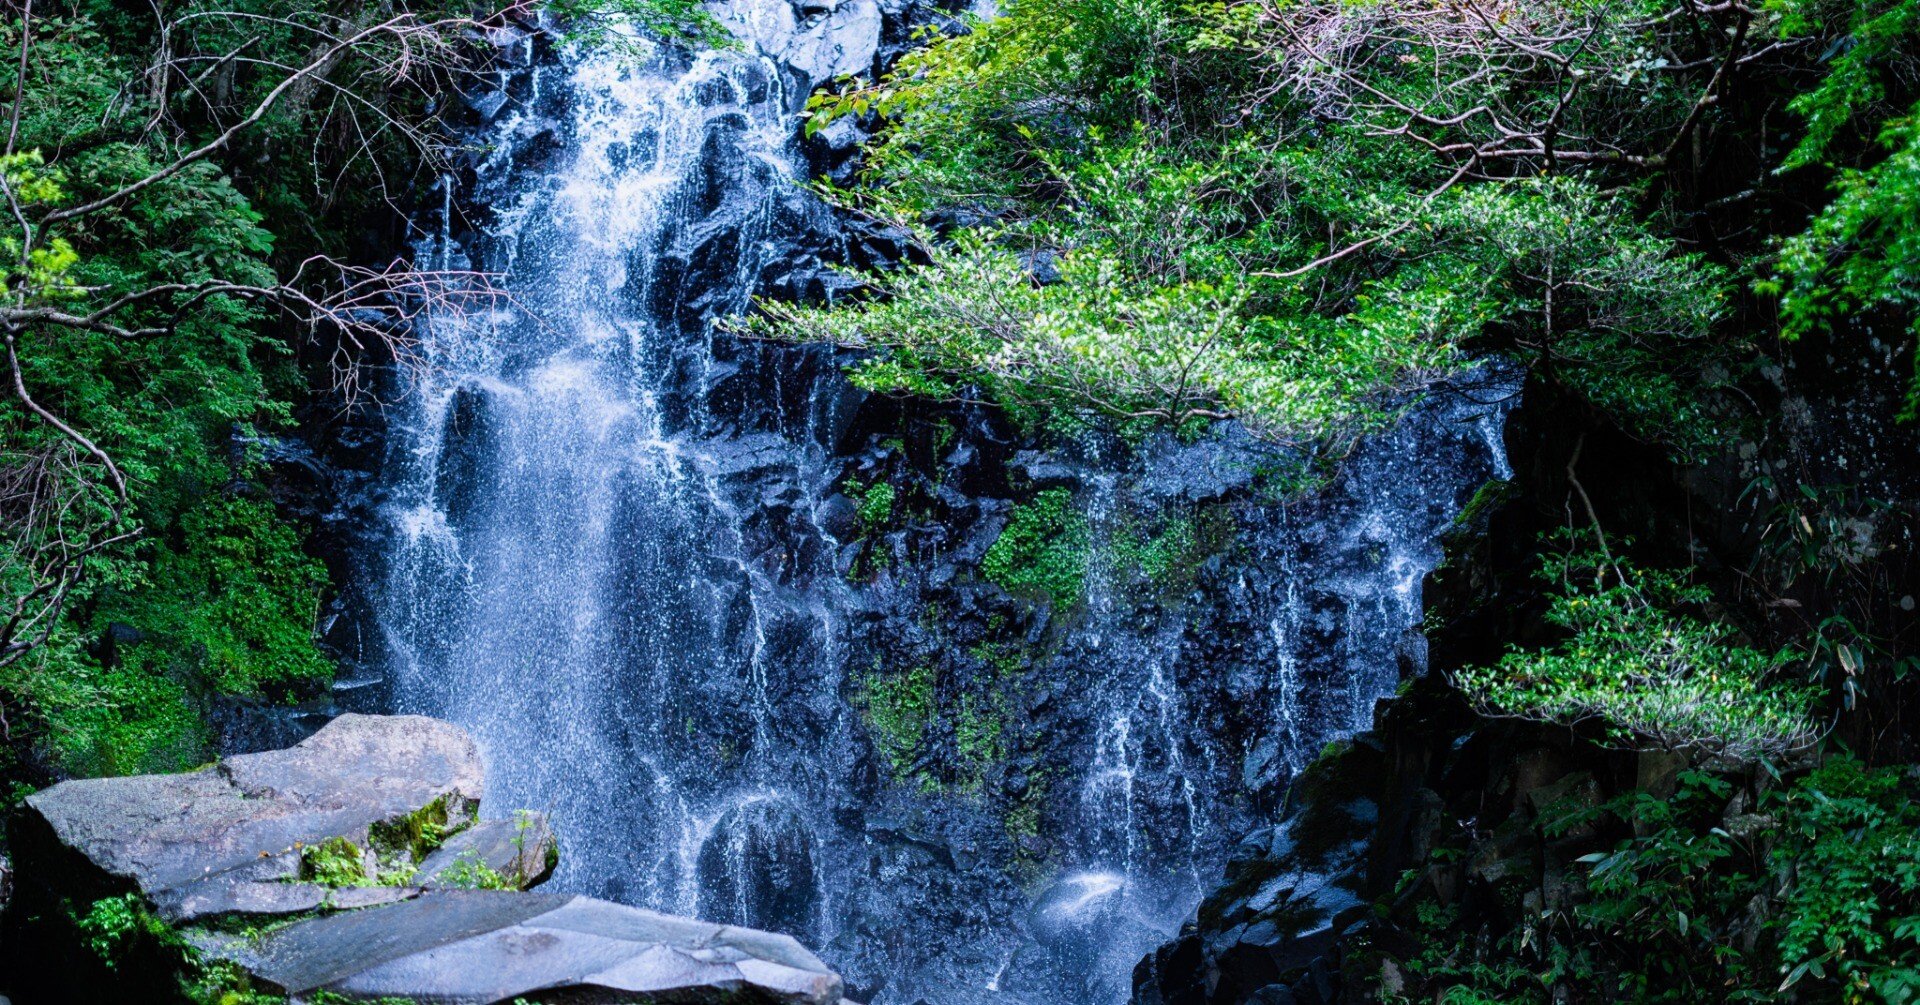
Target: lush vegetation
point(1811, 891)
point(166, 281)
point(1636, 660)
point(190, 194)
point(1295, 215)
point(1292, 214)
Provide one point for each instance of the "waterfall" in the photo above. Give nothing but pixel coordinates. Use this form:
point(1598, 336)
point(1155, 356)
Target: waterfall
point(601, 555)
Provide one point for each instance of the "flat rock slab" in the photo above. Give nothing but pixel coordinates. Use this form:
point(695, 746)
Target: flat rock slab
point(477, 947)
point(227, 838)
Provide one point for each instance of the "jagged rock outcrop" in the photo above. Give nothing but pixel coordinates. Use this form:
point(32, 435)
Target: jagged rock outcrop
point(353, 864)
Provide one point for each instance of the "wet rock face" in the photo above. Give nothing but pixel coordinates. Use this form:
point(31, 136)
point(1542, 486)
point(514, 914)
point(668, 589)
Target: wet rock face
point(822, 39)
point(1271, 931)
point(756, 869)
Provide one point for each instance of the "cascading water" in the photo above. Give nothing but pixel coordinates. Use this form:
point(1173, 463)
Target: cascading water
point(603, 557)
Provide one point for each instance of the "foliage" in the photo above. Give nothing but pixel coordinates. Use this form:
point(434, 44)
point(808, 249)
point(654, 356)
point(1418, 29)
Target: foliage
point(133, 716)
point(1633, 658)
point(1849, 846)
point(1292, 214)
point(1809, 893)
point(1043, 550)
point(172, 176)
point(222, 982)
point(899, 710)
point(469, 871)
point(1164, 556)
point(111, 923)
point(1863, 249)
point(236, 595)
point(873, 504)
point(335, 862)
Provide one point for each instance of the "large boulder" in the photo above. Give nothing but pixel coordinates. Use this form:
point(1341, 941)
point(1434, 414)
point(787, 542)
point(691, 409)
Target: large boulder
point(244, 835)
point(350, 866)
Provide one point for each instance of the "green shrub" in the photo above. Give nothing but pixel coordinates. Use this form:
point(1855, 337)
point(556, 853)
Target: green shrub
point(1634, 659)
point(234, 597)
point(873, 504)
point(1809, 893)
point(1849, 851)
point(1241, 231)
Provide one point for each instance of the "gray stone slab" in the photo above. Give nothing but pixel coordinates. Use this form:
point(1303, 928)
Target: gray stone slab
point(483, 947)
point(317, 953)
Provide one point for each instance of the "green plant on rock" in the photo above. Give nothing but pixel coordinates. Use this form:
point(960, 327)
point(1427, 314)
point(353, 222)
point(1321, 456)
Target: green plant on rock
point(1042, 552)
point(899, 710)
point(222, 982)
point(872, 504)
point(1006, 659)
point(1634, 658)
point(416, 835)
point(1164, 558)
point(111, 923)
point(335, 862)
point(1023, 821)
point(469, 871)
point(977, 730)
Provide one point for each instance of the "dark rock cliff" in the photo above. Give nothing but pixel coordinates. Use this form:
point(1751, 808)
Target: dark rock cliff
point(1441, 817)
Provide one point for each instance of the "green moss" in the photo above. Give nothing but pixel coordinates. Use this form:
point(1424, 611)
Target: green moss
point(221, 982)
point(335, 862)
point(418, 834)
point(1042, 553)
point(977, 730)
point(1023, 821)
point(140, 715)
point(1487, 498)
point(899, 710)
point(1005, 658)
point(1164, 559)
